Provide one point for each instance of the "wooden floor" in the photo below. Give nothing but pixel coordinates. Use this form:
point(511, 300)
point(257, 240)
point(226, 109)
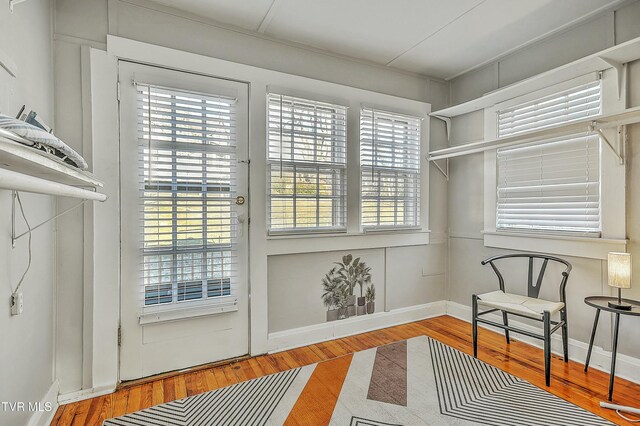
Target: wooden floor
point(568, 380)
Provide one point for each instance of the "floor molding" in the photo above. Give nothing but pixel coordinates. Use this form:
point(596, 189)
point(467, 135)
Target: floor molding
point(627, 367)
point(66, 398)
point(43, 417)
point(303, 336)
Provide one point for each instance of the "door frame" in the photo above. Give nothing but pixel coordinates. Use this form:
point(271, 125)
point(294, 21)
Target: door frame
point(242, 162)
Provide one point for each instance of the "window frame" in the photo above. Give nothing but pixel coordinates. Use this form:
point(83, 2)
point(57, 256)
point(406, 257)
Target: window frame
point(612, 178)
point(398, 170)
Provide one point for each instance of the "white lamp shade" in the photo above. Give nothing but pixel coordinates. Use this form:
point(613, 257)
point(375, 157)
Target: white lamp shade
point(619, 270)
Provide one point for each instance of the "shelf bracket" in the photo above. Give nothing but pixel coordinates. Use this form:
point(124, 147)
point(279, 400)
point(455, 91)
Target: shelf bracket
point(12, 3)
point(621, 136)
point(445, 171)
point(620, 72)
point(447, 123)
point(14, 237)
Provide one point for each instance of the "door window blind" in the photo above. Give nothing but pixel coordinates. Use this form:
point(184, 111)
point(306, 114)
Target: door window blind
point(187, 166)
point(552, 185)
point(390, 169)
point(306, 165)
point(574, 104)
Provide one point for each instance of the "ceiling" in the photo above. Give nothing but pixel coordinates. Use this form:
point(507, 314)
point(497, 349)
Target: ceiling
point(439, 38)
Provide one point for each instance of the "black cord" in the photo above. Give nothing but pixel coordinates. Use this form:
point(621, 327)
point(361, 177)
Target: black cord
point(28, 227)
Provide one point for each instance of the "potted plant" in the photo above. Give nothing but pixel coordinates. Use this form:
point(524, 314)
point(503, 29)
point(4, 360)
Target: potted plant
point(370, 296)
point(330, 285)
point(363, 278)
point(342, 301)
point(347, 271)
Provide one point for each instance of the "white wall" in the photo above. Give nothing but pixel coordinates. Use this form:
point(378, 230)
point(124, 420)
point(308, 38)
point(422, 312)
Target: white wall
point(86, 23)
point(27, 340)
point(466, 201)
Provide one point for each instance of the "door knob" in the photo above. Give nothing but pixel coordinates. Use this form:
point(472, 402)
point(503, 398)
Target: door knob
point(240, 200)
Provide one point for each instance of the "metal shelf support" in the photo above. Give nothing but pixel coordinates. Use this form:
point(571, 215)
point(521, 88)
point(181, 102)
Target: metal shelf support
point(14, 237)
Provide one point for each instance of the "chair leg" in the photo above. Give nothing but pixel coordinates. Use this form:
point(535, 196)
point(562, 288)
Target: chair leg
point(474, 322)
point(565, 335)
point(547, 347)
point(505, 320)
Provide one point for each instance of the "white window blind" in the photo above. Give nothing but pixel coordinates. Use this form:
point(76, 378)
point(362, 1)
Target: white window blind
point(552, 185)
point(187, 166)
point(574, 104)
point(306, 165)
point(390, 169)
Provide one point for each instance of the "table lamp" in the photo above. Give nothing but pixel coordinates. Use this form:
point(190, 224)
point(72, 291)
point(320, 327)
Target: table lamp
point(619, 276)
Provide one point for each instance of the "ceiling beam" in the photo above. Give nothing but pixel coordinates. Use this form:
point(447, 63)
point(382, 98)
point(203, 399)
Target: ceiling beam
point(266, 21)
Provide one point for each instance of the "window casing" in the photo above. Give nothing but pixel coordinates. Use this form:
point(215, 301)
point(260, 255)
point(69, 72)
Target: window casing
point(390, 152)
point(306, 165)
point(187, 158)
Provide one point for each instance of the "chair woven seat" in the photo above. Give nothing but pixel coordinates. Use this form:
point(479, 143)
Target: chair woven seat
point(518, 304)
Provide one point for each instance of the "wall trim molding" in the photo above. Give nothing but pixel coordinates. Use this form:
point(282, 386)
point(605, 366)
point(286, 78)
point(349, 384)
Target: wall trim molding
point(297, 337)
point(44, 418)
point(627, 367)
point(66, 398)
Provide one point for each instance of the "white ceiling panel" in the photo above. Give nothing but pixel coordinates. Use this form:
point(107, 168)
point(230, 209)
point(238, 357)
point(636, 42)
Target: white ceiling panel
point(491, 29)
point(439, 38)
point(247, 14)
point(376, 30)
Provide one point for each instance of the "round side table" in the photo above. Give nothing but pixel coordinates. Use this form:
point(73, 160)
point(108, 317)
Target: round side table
point(601, 303)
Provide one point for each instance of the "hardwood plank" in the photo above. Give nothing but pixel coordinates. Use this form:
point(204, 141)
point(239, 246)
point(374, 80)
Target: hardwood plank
point(158, 392)
point(520, 359)
point(80, 415)
point(180, 387)
point(169, 389)
point(210, 379)
point(95, 410)
point(120, 403)
point(146, 398)
point(135, 399)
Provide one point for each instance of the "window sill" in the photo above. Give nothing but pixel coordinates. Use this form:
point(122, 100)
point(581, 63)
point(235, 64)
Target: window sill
point(567, 245)
point(224, 305)
point(313, 243)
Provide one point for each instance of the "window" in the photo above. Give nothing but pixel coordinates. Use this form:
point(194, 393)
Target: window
point(390, 170)
point(563, 107)
point(552, 185)
point(564, 193)
point(306, 165)
point(187, 163)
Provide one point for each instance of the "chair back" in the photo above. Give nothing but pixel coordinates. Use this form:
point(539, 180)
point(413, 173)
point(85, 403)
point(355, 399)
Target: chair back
point(533, 286)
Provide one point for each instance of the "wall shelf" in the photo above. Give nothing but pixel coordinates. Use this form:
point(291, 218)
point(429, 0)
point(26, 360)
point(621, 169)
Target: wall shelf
point(612, 57)
point(593, 124)
point(26, 169)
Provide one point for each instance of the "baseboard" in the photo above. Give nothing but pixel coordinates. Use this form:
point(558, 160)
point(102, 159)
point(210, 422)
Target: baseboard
point(83, 394)
point(288, 339)
point(44, 416)
point(627, 367)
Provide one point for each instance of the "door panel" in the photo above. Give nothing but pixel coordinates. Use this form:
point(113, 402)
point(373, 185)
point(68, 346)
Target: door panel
point(184, 297)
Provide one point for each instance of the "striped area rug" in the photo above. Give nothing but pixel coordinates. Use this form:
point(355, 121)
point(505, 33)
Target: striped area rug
point(419, 381)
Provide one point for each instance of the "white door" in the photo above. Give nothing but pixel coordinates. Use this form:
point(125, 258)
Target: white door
point(184, 179)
